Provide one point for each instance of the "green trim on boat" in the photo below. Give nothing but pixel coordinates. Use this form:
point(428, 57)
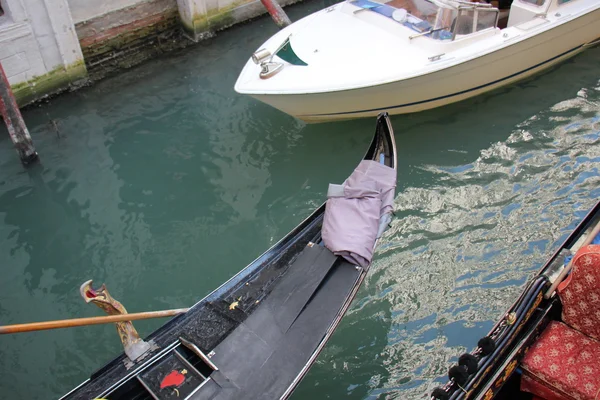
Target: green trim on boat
point(288, 54)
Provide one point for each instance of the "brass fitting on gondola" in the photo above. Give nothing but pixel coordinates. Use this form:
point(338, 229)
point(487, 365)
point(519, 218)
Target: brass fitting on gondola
point(511, 318)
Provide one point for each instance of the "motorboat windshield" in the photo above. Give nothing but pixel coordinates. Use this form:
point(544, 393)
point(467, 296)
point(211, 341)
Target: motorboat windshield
point(437, 19)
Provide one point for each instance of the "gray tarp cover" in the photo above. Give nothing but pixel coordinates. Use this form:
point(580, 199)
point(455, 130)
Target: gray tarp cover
point(358, 210)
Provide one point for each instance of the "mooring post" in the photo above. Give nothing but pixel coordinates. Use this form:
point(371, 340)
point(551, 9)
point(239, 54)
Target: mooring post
point(277, 13)
point(14, 122)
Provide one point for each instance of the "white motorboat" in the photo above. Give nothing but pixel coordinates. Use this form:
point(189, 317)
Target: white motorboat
point(360, 57)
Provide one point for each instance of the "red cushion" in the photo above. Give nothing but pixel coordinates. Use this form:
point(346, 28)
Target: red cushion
point(580, 292)
point(542, 392)
point(565, 362)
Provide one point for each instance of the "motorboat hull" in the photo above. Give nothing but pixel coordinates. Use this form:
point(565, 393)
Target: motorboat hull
point(520, 55)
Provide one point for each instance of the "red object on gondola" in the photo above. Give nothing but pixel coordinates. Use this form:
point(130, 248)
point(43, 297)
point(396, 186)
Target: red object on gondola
point(175, 378)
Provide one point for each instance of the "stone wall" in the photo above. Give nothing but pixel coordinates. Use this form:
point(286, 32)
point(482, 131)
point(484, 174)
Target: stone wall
point(118, 34)
point(52, 45)
point(126, 34)
point(202, 18)
point(39, 49)
point(85, 10)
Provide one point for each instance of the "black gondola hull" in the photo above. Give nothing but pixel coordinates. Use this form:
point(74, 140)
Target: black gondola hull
point(518, 329)
point(257, 335)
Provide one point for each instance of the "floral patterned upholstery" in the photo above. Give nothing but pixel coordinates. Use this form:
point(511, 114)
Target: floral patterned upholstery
point(564, 361)
point(562, 364)
point(580, 292)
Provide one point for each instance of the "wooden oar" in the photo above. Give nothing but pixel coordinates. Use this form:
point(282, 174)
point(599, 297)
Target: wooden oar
point(566, 269)
point(69, 323)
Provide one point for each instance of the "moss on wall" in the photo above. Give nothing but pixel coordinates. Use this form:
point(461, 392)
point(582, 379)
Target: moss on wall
point(53, 82)
point(124, 45)
point(213, 20)
point(131, 44)
point(221, 19)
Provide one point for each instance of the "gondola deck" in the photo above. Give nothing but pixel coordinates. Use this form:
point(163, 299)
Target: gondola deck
point(256, 335)
point(498, 359)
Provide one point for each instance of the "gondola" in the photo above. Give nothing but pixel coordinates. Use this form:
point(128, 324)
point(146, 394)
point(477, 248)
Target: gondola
point(547, 344)
point(257, 335)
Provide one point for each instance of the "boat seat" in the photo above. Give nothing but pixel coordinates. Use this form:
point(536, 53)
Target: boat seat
point(580, 292)
point(563, 363)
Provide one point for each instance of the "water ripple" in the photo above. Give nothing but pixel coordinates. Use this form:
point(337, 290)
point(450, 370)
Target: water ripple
point(163, 183)
point(461, 248)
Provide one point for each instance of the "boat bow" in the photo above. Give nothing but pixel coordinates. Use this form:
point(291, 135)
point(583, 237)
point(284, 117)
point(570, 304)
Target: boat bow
point(270, 320)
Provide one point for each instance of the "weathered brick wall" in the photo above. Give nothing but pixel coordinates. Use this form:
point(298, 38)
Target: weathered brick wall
point(125, 35)
point(118, 34)
point(47, 45)
point(85, 10)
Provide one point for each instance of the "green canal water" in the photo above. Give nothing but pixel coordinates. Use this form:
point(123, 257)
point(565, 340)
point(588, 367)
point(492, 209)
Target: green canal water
point(162, 182)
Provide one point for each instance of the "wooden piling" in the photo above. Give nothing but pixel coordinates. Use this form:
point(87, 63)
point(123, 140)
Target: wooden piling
point(14, 122)
point(277, 13)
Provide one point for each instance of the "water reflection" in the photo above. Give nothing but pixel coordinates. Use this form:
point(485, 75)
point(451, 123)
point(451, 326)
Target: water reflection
point(164, 183)
point(474, 222)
